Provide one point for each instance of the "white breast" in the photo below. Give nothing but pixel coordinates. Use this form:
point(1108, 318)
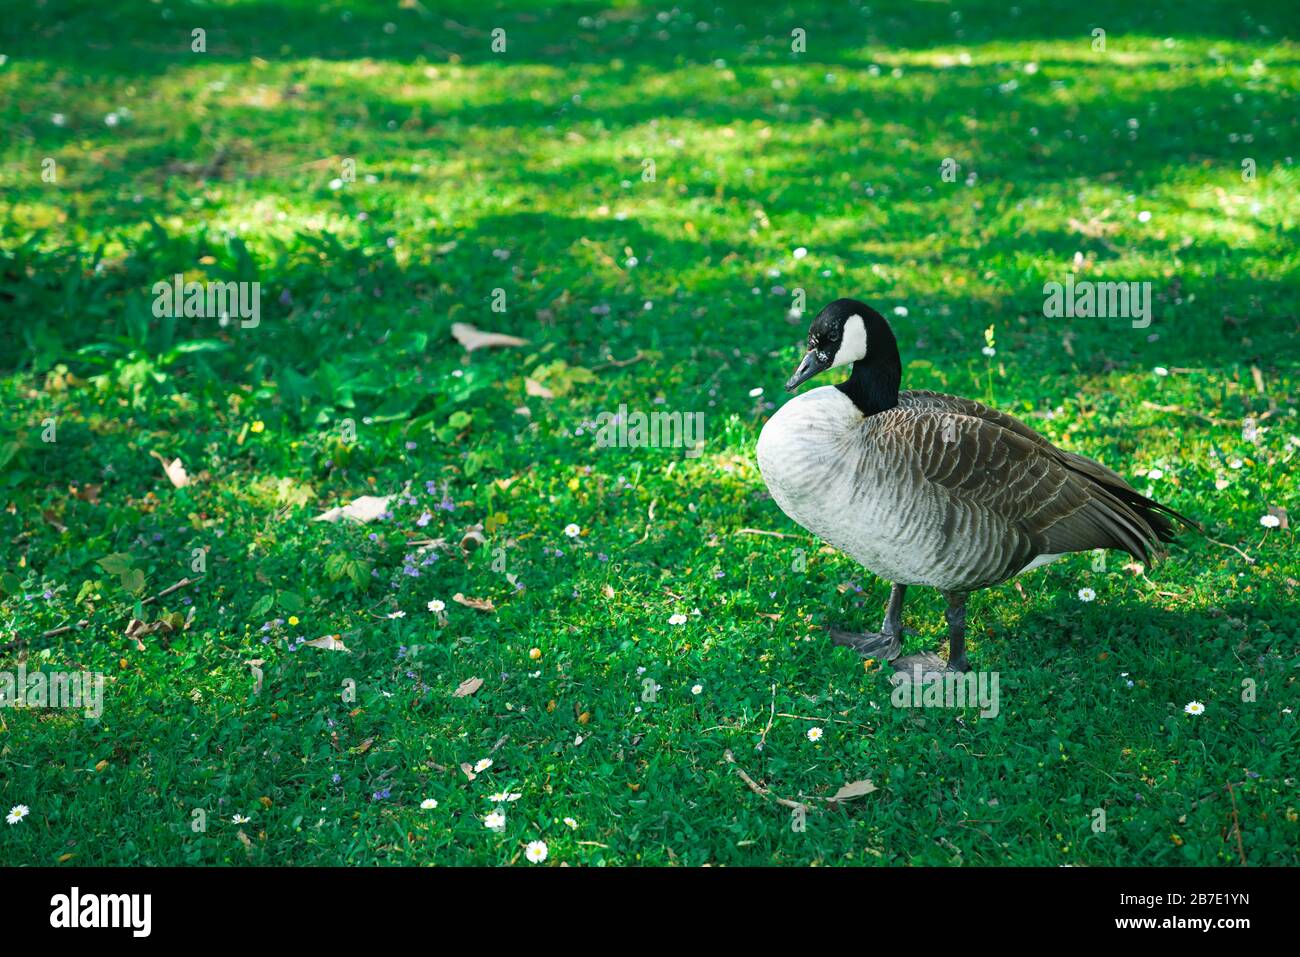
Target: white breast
point(809, 453)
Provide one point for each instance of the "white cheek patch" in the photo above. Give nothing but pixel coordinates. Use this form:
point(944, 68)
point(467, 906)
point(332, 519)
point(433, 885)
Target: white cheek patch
point(853, 345)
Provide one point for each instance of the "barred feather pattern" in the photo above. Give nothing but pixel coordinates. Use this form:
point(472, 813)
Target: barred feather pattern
point(946, 492)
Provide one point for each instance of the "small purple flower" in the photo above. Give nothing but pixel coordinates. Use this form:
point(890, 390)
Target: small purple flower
point(423, 520)
point(410, 445)
point(385, 516)
point(47, 595)
point(383, 795)
point(602, 557)
point(337, 778)
point(286, 298)
point(374, 537)
point(430, 487)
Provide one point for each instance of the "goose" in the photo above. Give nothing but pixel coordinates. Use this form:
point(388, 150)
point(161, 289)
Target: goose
point(922, 488)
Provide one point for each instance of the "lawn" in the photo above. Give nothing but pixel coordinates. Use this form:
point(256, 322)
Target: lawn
point(640, 193)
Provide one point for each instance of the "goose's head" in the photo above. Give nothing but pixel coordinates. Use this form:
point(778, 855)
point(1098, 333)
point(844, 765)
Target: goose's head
point(850, 333)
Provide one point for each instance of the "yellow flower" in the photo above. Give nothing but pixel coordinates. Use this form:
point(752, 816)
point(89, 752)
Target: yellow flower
point(293, 619)
point(257, 426)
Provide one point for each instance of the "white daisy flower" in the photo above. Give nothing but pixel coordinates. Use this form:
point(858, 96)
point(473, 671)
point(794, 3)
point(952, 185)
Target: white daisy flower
point(800, 253)
point(1270, 521)
point(989, 351)
point(58, 119)
point(428, 804)
point(1194, 707)
point(697, 689)
point(1160, 370)
point(1086, 594)
point(482, 765)
point(17, 813)
point(503, 796)
point(240, 819)
point(397, 614)
point(437, 605)
point(495, 821)
point(815, 734)
point(573, 825)
point(677, 619)
point(1156, 474)
point(573, 531)
point(536, 851)
point(1144, 216)
point(900, 310)
point(756, 392)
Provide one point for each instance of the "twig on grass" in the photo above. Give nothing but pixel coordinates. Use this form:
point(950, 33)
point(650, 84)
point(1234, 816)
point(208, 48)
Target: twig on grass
point(762, 739)
point(758, 788)
point(55, 632)
point(759, 531)
point(1236, 826)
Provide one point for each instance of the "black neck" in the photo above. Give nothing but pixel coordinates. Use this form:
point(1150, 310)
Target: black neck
point(873, 384)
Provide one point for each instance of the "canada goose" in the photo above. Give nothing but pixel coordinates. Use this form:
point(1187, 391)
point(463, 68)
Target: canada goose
point(923, 488)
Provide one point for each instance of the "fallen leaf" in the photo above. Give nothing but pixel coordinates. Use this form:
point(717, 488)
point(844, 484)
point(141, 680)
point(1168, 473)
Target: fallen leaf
point(608, 591)
point(535, 388)
point(101, 765)
point(478, 604)
point(856, 789)
point(327, 643)
point(472, 338)
point(469, 770)
point(472, 538)
point(467, 687)
point(1278, 512)
point(265, 801)
point(365, 508)
point(87, 493)
point(364, 746)
point(174, 469)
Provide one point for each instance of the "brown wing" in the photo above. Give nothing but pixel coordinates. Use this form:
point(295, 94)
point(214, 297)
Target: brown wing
point(1006, 496)
point(1153, 515)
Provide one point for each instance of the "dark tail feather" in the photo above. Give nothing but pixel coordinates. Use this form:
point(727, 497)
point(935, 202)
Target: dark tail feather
point(1157, 517)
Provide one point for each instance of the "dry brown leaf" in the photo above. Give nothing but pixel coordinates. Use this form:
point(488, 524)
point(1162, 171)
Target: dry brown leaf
point(364, 508)
point(855, 789)
point(472, 338)
point(87, 493)
point(535, 388)
point(364, 746)
point(472, 538)
point(468, 769)
point(174, 469)
point(478, 604)
point(467, 687)
point(327, 643)
point(608, 591)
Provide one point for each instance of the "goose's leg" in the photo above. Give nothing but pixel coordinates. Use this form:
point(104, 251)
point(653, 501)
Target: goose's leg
point(884, 644)
point(927, 661)
point(956, 615)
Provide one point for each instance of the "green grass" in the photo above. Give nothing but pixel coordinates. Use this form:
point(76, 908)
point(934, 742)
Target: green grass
point(220, 167)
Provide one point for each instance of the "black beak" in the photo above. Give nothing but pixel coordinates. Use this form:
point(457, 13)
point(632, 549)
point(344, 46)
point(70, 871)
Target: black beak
point(809, 367)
